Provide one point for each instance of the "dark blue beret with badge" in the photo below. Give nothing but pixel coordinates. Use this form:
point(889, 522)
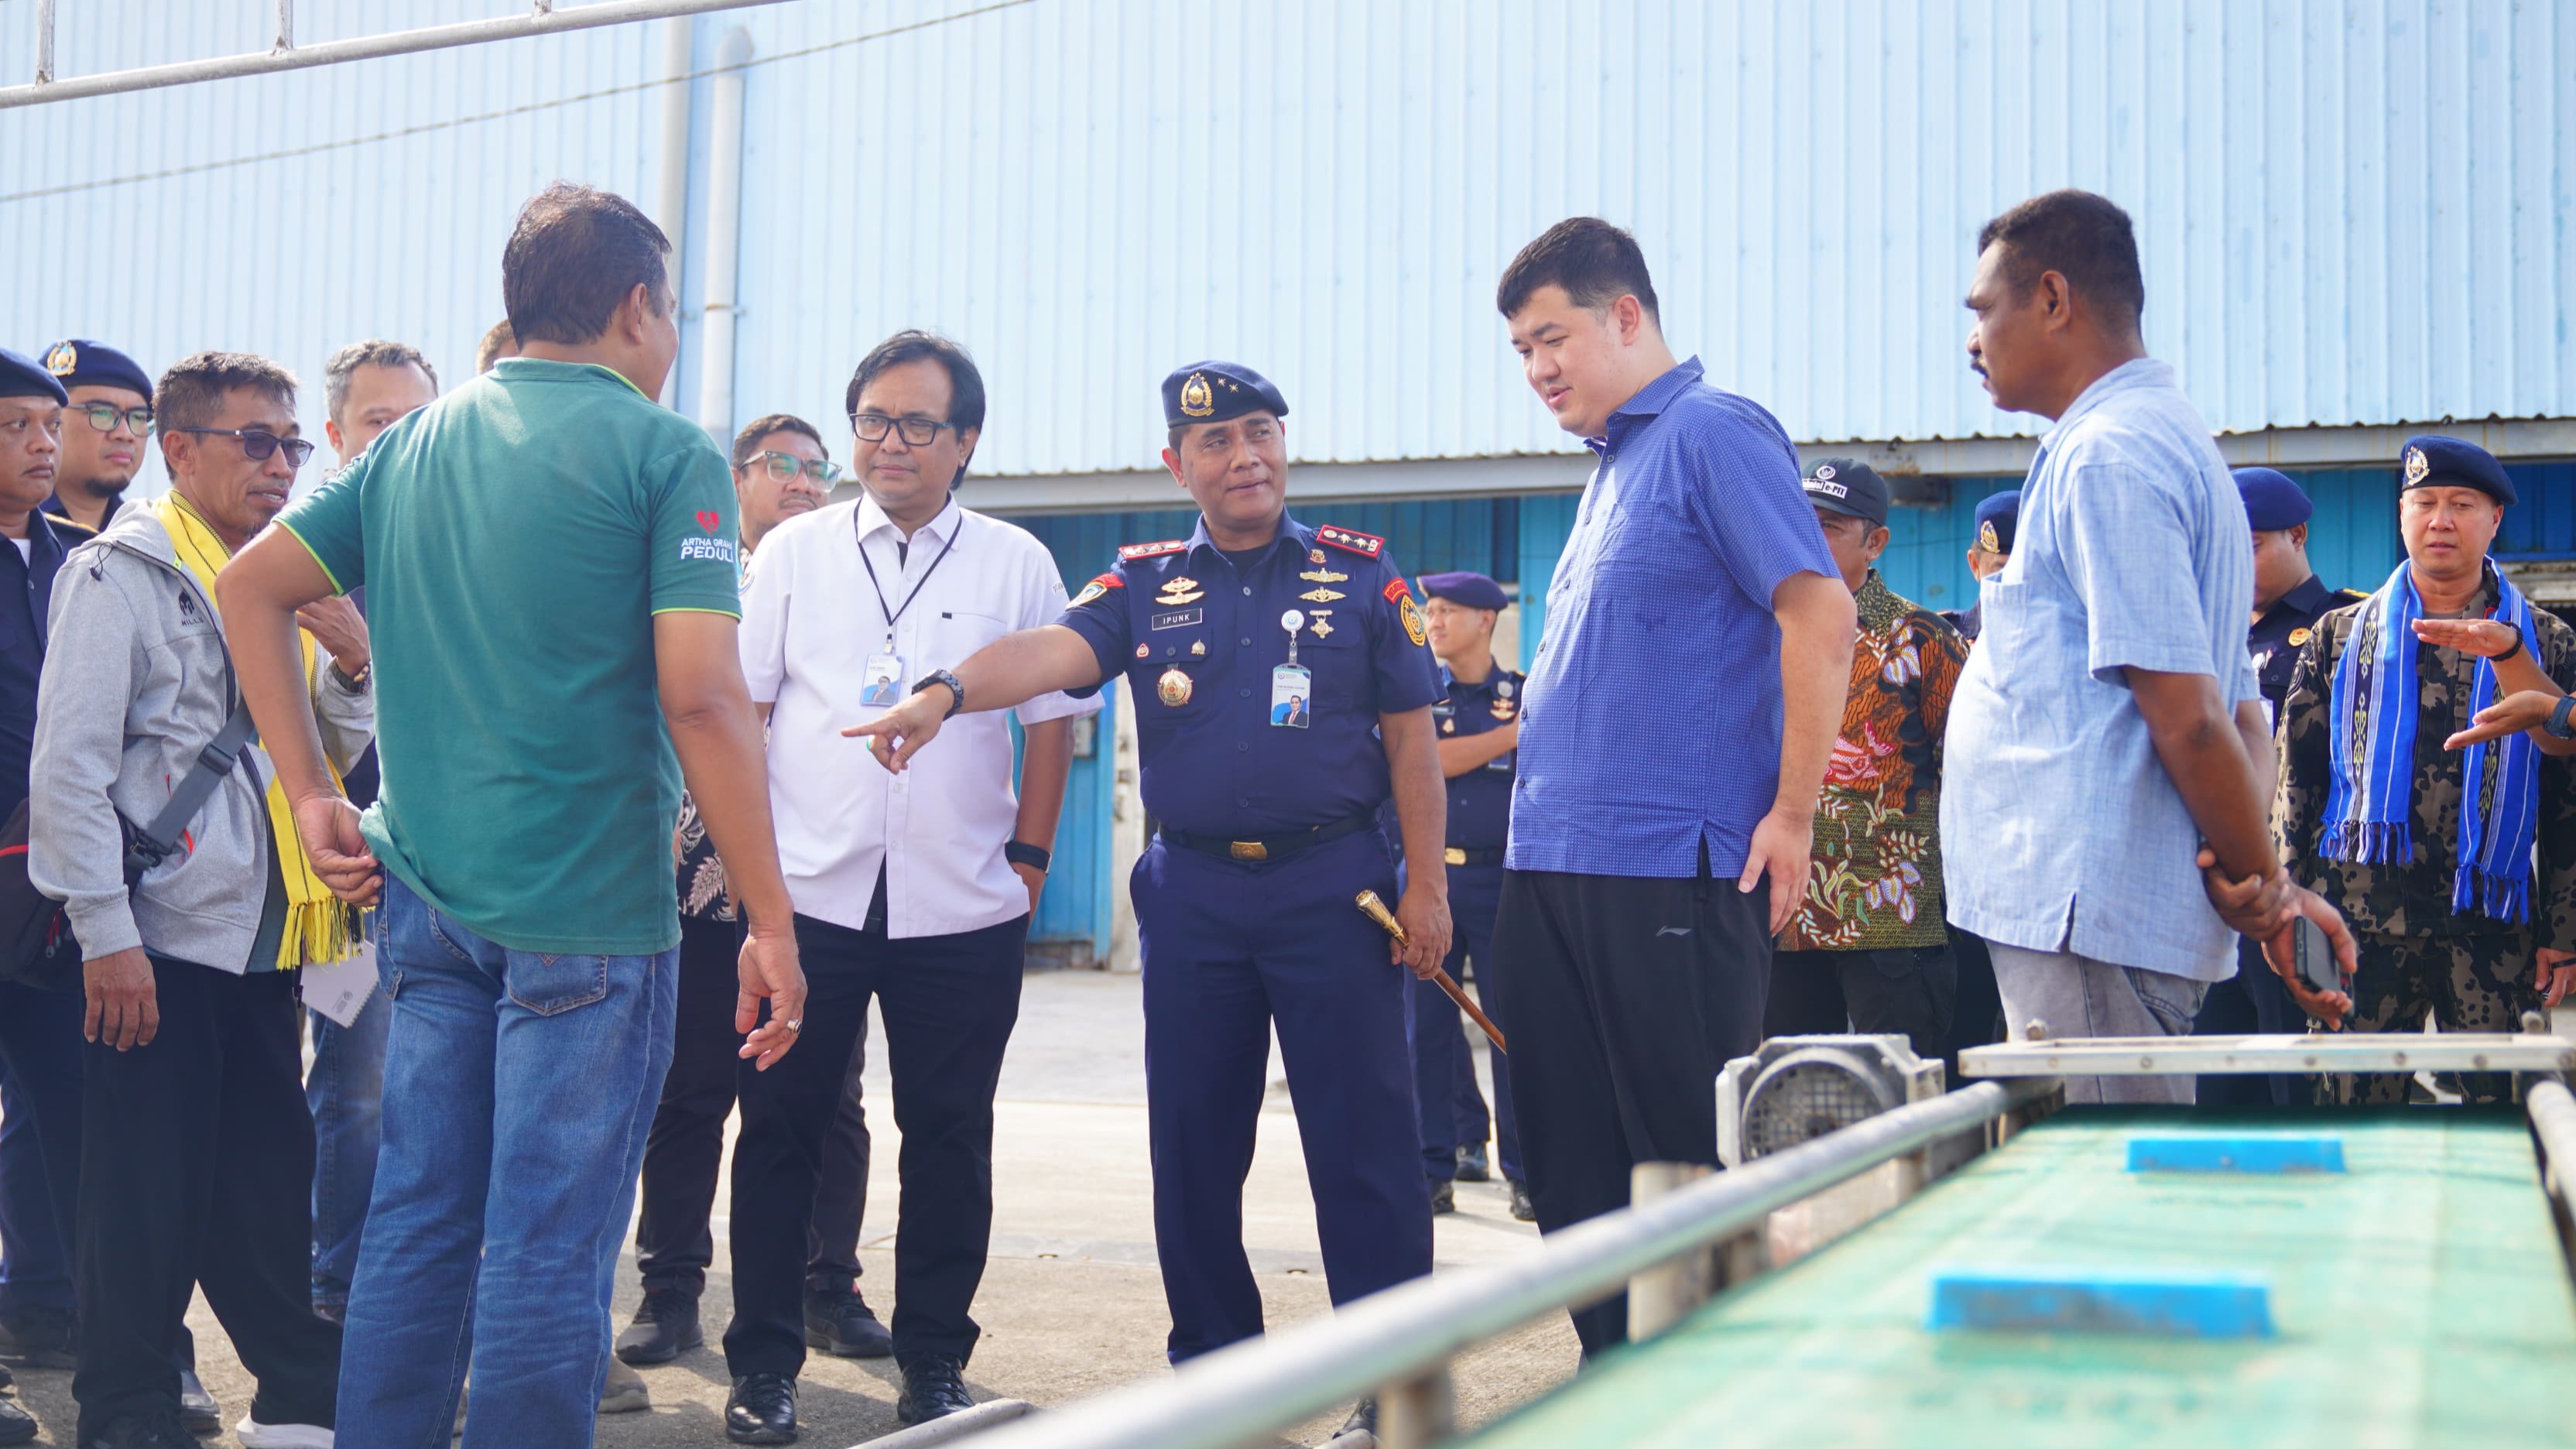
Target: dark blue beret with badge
point(2434, 461)
point(2272, 500)
point(1212, 392)
point(21, 377)
point(1996, 517)
point(1467, 589)
point(79, 362)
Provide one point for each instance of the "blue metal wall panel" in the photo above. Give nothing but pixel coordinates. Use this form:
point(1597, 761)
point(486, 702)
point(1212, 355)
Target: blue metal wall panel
point(2350, 212)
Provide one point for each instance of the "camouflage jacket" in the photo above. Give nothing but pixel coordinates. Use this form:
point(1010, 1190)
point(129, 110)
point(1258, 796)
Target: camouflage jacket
point(1875, 880)
point(2415, 899)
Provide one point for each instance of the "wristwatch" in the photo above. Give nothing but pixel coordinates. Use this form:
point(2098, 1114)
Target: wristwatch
point(1035, 857)
point(353, 683)
point(2558, 714)
point(956, 691)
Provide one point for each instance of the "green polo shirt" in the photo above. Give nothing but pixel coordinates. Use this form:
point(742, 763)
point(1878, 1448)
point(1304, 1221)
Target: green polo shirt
point(515, 539)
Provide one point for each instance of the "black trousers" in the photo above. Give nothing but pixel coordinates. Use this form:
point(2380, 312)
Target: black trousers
point(684, 1149)
point(2251, 1001)
point(1908, 992)
point(948, 1004)
point(197, 1171)
point(1622, 996)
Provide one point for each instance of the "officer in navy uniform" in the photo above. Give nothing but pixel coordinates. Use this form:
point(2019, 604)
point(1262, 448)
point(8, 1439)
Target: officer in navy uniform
point(98, 463)
point(1283, 691)
point(2289, 598)
point(1997, 515)
point(1479, 725)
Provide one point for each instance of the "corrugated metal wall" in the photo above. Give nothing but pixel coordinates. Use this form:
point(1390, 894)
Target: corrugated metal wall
point(2352, 212)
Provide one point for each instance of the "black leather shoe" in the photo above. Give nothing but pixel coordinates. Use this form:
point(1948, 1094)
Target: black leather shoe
point(1522, 1207)
point(1444, 1198)
point(197, 1408)
point(38, 1338)
point(1472, 1166)
point(1363, 1416)
point(933, 1388)
point(157, 1431)
point(761, 1410)
point(664, 1327)
point(17, 1426)
point(843, 1325)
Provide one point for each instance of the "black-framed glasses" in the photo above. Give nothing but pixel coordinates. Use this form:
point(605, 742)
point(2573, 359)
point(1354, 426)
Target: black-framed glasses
point(783, 467)
point(259, 444)
point(919, 432)
point(105, 416)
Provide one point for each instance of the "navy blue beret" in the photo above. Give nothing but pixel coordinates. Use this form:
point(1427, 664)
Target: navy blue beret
point(21, 377)
point(1473, 590)
point(2272, 500)
point(2434, 461)
point(1211, 392)
point(1996, 517)
point(79, 362)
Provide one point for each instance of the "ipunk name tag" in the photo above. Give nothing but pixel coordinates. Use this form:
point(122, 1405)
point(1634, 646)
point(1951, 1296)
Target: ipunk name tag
point(881, 681)
point(1292, 695)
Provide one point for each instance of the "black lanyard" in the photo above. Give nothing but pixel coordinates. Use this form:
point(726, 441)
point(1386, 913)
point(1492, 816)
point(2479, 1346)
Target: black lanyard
point(897, 611)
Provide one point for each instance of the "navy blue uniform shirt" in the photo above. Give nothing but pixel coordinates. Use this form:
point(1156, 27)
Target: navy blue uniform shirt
point(1212, 762)
point(2276, 638)
point(26, 604)
point(1480, 801)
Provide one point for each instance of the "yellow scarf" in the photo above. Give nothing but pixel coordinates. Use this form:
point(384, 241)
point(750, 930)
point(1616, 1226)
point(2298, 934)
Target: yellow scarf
point(319, 925)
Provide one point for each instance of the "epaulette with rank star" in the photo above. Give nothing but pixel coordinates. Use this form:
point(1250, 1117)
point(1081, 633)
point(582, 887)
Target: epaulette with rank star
point(1131, 551)
point(1367, 545)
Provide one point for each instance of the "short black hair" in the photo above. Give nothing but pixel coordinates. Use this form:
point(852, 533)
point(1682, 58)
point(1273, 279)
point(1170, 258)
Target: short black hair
point(965, 384)
point(1596, 263)
point(191, 393)
point(746, 442)
point(2086, 239)
point(575, 254)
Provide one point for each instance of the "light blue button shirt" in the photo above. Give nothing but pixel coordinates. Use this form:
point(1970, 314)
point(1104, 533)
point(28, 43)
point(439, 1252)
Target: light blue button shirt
point(2060, 830)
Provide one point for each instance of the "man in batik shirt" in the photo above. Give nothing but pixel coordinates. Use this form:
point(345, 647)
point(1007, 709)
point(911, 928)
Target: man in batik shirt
point(1868, 950)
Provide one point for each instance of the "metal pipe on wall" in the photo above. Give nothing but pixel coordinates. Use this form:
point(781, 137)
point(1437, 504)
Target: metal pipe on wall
point(671, 192)
point(724, 233)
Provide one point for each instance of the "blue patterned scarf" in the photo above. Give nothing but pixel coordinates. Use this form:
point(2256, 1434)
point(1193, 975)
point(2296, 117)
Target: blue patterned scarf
point(2370, 805)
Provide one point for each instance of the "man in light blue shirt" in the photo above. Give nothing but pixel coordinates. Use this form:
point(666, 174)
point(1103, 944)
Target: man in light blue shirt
point(2090, 742)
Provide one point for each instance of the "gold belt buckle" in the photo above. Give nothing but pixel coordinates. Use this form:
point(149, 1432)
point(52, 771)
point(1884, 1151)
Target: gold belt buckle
point(1247, 850)
point(1454, 855)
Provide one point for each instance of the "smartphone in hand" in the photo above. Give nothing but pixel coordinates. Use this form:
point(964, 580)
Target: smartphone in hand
point(2315, 956)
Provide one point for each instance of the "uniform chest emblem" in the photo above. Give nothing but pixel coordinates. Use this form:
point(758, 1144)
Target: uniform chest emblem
point(1314, 555)
point(1448, 727)
point(1323, 623)
point(1322, 596)
point(1173, 689)
point(1181, 589)
point(1198, 648)
point(1502, 709)
point(2300, 635)
point(1324, 576)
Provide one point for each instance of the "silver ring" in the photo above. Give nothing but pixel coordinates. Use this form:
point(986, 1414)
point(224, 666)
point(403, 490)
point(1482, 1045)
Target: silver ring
point(797, 1024)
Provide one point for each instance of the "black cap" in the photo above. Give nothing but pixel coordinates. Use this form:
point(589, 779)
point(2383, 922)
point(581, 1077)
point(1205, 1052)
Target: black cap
point(1847, 486)
point(21, 377)
point(1212, 392)
point(2433, 461)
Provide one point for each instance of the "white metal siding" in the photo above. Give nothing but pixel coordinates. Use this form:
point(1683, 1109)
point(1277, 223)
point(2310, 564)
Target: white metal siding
point(2351, 213)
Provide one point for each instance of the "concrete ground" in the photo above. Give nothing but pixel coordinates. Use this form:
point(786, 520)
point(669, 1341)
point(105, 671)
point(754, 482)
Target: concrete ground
point(1072, 1303)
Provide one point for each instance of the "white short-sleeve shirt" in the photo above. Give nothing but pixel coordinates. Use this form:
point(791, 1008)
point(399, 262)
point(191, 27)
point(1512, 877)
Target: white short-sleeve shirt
point(811, 619)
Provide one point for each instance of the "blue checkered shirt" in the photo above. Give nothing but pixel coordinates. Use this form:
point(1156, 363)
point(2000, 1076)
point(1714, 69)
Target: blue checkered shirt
point(1651, 720)
point(2060, 830)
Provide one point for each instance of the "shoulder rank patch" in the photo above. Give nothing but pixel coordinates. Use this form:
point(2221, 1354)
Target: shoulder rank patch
point(1396, 592)
point(1368, 545)
point(1413, 625)
point(1096, 588)
point(1152, 550)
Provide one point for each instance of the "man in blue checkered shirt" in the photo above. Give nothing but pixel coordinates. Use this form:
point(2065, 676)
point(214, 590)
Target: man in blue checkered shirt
point(1674, 732)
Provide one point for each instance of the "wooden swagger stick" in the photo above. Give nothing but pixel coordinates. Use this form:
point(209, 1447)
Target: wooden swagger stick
point(1375, 910)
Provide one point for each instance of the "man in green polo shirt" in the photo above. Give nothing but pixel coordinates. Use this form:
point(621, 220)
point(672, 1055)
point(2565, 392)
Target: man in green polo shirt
point(549, 564)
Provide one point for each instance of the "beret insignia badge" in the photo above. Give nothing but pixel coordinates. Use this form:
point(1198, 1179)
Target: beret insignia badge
point(1197, 398)
point(2416, 466)
point(1988, 539)
point(63, 360)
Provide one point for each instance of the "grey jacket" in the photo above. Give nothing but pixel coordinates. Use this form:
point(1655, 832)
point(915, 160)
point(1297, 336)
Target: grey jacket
point(136, 681)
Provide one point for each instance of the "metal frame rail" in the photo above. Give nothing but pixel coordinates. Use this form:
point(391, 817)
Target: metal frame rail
point(1398, 1344)
point(542, 19)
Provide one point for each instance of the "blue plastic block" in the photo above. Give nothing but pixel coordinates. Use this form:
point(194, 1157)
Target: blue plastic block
point(2093, 1300)
point(2212, 1153)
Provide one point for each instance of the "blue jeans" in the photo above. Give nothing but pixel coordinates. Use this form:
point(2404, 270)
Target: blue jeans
point(518, 1088)
point(346, 1090)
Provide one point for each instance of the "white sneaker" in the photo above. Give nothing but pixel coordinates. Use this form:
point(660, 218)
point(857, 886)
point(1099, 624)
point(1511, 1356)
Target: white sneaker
point(256, 1435)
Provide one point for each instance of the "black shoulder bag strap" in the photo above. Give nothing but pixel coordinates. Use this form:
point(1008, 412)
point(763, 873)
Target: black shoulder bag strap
point(156, 841)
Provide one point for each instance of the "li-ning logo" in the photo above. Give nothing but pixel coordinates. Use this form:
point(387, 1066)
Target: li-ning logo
point(718, 549)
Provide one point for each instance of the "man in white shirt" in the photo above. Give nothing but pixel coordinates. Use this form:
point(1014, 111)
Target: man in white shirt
point(915, 888)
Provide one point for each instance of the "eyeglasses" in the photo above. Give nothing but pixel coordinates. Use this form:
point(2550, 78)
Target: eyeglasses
point(105, 416)
point(783, 468)
point(919, 432)
point(259, 445)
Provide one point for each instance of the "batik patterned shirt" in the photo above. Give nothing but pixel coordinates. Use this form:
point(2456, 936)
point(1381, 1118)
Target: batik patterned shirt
point(1875, 880)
